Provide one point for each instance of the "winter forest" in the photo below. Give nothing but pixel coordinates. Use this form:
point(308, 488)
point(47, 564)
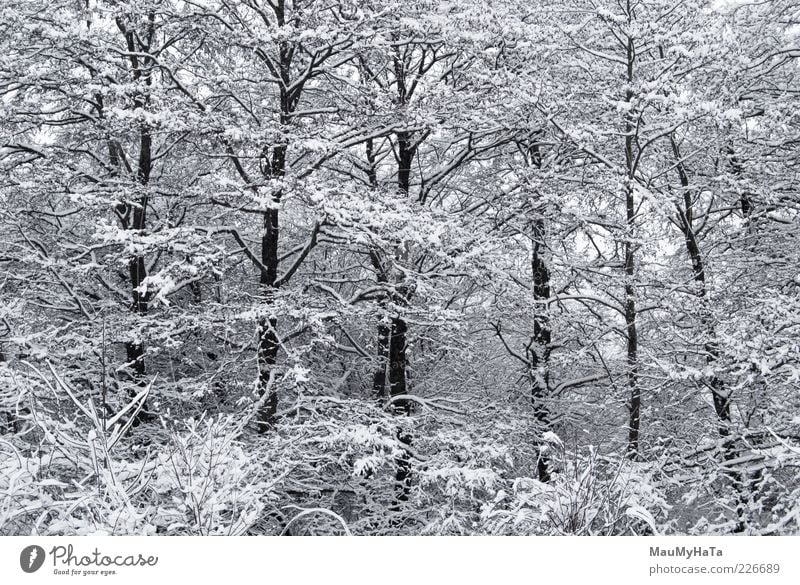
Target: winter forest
point(381, 267)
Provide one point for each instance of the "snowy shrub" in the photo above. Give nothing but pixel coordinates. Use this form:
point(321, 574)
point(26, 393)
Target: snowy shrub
point(589, 495)
point(86, 476)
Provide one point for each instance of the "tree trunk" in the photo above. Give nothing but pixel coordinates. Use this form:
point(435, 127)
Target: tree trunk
point(8, 422)
point(269, 342)
point(399, 329)
point(539, 352)
point(632, 335)
point(397, 364)
point(379, 378)
point(539, 348)
point(720, 396)
point(268, 280)
point(134, 216)
point(398, 342)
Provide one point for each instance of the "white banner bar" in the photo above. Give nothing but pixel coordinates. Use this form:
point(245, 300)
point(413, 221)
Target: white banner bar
point(398, 560)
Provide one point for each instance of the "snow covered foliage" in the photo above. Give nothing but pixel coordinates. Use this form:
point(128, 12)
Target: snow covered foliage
point(426, 267)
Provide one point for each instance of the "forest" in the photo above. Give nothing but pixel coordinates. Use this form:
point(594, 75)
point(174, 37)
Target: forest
point(381, 267)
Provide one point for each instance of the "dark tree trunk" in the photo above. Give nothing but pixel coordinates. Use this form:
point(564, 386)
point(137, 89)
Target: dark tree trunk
point(275, 168)
point(406, 151)
point(268, 280)
point(379, 378)
point(133, 216)
point(539, 348)
point(397, 364)
point(135, 349)
point(632, 334)
point(137, 269)
point(399, 328)
point(539, 352)
point(392, 337)
point(720, 397)
point(632, 352)
point(719, 394)
point(403, 474)
point(745, 197)
point(398, 342)
point(267, 358)
point(405, 157)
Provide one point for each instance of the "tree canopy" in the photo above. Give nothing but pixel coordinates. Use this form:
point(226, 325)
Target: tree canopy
point(379, 267)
